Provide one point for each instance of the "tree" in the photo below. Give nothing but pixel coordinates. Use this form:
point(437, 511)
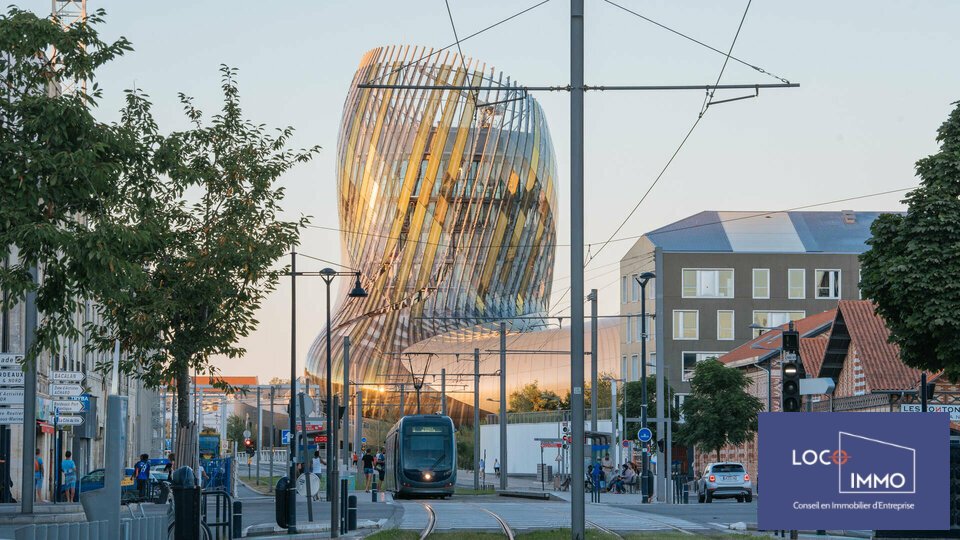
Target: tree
point(718, 411)
point(633, 393)
point(66, 179)
point(532, 398)
point(235, 428)
point(217, 212)
point(911, 268)
point(604, 393)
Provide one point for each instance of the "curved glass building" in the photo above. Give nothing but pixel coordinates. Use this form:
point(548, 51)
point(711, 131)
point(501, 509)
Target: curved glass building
point(446, 205)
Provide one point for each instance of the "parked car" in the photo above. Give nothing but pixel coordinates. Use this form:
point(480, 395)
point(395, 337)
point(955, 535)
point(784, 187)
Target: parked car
point(724, 481)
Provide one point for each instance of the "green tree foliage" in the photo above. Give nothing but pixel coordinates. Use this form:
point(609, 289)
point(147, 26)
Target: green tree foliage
point(235, 428)
point(217, 212)
point(464, 437)
point(718, 411)
point(66, 179)
point(604, 395)
point(533, 398)
point(633, 393)
point(911, 268)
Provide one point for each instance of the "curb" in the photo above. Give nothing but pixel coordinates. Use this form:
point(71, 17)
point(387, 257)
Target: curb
point(267, 529)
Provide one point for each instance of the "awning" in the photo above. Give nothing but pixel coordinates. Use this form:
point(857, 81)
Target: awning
point(45, 427)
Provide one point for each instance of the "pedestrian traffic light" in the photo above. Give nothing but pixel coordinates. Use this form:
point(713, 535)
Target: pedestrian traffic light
point(248, 442)
point(791, 373)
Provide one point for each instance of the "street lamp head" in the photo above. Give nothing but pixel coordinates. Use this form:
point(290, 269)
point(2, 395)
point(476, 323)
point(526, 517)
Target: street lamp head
point(358, 291)
point(328, 272)
point(493, 400)
point(647, 275)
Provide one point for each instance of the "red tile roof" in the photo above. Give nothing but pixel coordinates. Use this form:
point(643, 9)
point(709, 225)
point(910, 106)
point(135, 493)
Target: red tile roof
point(879, 357)
point(811, 353)
point(772, 340)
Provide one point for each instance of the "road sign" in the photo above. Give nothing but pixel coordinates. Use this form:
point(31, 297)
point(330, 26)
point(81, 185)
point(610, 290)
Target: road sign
point(625, 444)
point(68, 405)
point(70, 420)
point(11, 377)
point(363, 439)
point(644, 435)
point(11, 396)
point(11, 416)
point(7, 359)
point(66, 376)
point(246, 433)
point(285, 436)
point(66, 390)
point(302, 485)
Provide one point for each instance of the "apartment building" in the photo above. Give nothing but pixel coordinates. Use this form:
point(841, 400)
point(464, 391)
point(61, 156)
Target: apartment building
point(719, 272)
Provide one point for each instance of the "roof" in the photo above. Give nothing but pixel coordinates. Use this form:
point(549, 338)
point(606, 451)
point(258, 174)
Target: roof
point(858, 323)
point(752, 353)
point(768, 232)
point(242, 380)
point(811, 353)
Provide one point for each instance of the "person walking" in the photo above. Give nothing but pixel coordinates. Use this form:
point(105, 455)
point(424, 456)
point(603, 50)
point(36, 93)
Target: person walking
point(141, 475)
point(38, 475)
point(483, 471)
point(317, 468)
point(368, 460)
point(381, 465)
point(496, 467)
point(69, 469)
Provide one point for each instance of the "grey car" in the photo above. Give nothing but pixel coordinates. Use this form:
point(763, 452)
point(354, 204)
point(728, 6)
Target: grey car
point(724, 481)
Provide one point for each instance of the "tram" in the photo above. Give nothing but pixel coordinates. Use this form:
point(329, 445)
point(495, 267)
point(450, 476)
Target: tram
point(421, 457)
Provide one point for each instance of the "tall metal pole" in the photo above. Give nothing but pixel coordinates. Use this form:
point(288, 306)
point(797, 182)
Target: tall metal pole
point(259, 441)
point(443, 391)
point(594, 397)
point(503, 405)
point(330, 412)
point(272, 431)
point(333, 473)
point(576, 268)
point(644, 452)
point(29, 401)
point(403, 396)
point(613, 420)
point(307, 472)
point(346, 401)
point(668, 443)
point(923, 392)
point(358, 433)
point(292, 474)
point(476, 419)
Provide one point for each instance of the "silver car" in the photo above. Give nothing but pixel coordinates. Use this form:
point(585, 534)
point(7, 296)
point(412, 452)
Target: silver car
point(724, 481)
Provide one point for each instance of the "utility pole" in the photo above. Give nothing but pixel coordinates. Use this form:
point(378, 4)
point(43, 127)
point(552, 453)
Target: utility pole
point(503, 405)
point(576, 270)
point(613, 420)
point(273, 430)
point(292, 466)
point(403, 403)
point(346, 402)
point(476, 419)
point(259, 432)
point(443, 391)
point(29, 400)
point(594, 398)
point(358, 433)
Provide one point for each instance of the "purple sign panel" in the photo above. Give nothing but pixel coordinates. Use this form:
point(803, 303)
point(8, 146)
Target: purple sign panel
point(854, 471)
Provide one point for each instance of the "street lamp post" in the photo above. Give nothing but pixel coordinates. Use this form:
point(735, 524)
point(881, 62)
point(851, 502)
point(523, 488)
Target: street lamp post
point(642, 279)
point(328, 274)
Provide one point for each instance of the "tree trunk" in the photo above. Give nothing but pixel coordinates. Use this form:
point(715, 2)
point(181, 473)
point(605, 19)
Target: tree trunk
point(183, 394)
point(718, 455)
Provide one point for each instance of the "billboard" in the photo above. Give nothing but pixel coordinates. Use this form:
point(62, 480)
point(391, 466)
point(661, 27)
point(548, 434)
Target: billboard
point(854, 471)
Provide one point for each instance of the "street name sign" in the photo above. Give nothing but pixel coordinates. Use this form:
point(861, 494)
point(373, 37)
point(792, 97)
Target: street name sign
point(954, 410)
point(11, 416)
point(65, 390)
point(7, 359)
point(66, 376)
point(11, 396)
point(68, 405)
point(11, 377)
point(70, 421)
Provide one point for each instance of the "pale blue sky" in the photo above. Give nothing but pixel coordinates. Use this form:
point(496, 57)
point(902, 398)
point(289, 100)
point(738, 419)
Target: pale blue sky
point(877, 79)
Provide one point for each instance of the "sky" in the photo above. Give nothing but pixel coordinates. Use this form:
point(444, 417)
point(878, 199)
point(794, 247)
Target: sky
point(876, 80)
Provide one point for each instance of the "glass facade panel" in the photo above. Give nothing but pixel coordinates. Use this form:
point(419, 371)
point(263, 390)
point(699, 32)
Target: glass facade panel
point(796, 283)
point(761, 283)
point(725, 324)
point(702, 283)
point(686, 324)
point(772, 319)
point(828, 283)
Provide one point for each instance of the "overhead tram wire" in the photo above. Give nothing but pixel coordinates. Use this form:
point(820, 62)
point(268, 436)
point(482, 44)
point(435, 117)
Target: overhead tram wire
point(698, 42)
point(318, 259)
point(703, 110)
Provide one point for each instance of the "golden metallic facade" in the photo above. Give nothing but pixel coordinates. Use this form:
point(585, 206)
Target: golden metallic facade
point(446, 205)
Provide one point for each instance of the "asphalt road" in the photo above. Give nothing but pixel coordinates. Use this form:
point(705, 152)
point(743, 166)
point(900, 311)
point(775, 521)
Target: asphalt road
point(722, 512)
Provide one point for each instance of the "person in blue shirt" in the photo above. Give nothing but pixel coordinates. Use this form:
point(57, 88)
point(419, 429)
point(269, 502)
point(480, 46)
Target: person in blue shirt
point(38, 475)
point(141, 474)
point(69, 469)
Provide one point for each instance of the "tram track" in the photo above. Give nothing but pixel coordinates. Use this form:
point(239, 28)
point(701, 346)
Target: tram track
point(431, 521)
point(603, 529)
point(503, 524)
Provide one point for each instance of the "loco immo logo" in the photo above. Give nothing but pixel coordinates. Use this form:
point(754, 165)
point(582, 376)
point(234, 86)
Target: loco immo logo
point(864, 464)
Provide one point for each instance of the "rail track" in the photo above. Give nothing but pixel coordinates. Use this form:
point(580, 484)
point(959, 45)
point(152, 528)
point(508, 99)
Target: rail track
point(431, 521)
point(503, 524)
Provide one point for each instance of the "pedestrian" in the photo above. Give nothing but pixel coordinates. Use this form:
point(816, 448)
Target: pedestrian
point(38, 475)
point(141, 474)
point(168, 468)
point(496, 467)
point(355, 459)
point(202, 476)
point(381, 464)
point(368, 468)
point(608, 466)
point(317, 466)
point(69, 469)
point(483, 470)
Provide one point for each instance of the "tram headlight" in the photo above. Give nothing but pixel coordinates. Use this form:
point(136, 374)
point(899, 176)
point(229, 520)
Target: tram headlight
point(427, 475)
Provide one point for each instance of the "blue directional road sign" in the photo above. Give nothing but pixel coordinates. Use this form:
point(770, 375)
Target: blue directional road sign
point(363, 439)
point(285, 436)
point(644, 435)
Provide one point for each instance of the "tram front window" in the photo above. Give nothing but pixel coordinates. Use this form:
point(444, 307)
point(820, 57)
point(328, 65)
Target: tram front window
point(427, 447)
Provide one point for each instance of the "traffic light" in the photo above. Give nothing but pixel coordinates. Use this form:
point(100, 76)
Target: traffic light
point(791, 373)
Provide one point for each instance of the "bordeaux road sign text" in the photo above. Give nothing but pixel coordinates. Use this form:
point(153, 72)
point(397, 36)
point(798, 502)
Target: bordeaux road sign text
point(70, 420)
point(65, 390)
point(67, 376)
point(7, 359)
point(68, 405)
point(11, 416)
point(11, 396)
point(11, 377)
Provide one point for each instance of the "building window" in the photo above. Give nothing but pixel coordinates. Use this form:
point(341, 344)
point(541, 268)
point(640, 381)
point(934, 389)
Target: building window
point(651, 329)
point(796, 283)
point(623, 368)
point(678, 403)
point(629, 329)
point(635, 288)
point(775, 318)
point(623, 289)
point(828, 283)
point(761, 283)
point(701, 283)
point(691, 359)
point(686, 324)
point(725, 324)
point(638, 330)
point(634, 367)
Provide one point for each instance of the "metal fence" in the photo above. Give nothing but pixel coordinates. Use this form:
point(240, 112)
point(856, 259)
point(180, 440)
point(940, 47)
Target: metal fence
point(148, 528)
point(537, 417)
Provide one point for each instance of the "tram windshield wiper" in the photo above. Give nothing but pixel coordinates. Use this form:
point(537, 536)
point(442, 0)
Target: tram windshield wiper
point(437, 462)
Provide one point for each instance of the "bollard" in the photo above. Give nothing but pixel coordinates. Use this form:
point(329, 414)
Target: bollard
point(374, 490)
point(686, 493)
point(344, 490)
point(352, 513)
point(282, 502)
point(237, 519)
point(186, 497)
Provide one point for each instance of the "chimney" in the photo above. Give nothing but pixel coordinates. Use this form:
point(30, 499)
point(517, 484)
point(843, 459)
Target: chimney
point(849, 216)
